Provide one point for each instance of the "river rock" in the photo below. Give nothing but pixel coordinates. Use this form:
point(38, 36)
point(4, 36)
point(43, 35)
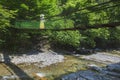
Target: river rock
point(114, 67)
point(106, 71)
point(112, 74)
point(95, 67)
point(88, 75)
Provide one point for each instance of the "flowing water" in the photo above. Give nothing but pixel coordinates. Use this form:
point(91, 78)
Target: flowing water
point(70, 64)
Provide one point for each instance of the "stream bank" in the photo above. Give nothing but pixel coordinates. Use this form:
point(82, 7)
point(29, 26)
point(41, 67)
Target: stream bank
point(67, 64)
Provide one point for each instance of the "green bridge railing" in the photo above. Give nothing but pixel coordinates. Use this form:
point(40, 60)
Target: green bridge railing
point(30, 25)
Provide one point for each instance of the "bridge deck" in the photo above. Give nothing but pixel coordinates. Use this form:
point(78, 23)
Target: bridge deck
point(24, 26)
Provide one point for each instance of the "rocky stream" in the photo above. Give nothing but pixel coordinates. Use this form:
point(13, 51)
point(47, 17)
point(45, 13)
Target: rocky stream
point(51, 65)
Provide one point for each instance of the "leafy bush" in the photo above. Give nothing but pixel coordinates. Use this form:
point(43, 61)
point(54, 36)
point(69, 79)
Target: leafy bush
point(5, 17)
point(67, 38)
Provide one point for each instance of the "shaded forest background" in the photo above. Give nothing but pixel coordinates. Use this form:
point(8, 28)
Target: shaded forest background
point(64, 14)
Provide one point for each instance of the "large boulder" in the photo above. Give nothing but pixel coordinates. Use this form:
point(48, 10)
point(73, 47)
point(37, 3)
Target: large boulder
point(88, 75)
point(96, 73)
point(114, 67)
point(105, 71)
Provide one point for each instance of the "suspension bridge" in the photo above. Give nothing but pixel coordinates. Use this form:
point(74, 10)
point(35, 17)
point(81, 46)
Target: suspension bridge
point(27, 25)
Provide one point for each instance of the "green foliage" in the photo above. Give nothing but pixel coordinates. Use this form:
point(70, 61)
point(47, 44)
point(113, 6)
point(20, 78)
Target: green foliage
point(114, 38)
point(101, 33)
point(71, 38)
point(70, 13)
point(91, 37)
point(5, 17)
point(67, 38)
point(24, 6)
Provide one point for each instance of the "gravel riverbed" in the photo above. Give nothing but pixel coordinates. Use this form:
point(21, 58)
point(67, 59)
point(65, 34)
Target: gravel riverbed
point(45, 58)
point(103, 57)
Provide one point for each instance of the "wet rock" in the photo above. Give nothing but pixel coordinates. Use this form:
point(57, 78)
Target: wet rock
point(88, 75)
point(71, 76)
point(95, 67)
point(97, 73)
point(104, 70)
point(80, 78)
point(114, 67)
point(112, 74)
